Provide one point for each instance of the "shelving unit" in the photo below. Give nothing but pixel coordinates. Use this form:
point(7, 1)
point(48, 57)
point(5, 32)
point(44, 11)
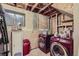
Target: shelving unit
point(64, 21)
point(60, 26)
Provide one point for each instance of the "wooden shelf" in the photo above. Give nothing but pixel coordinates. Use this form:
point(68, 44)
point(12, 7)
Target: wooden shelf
point(65, 21)
point(12, 4)
point(60, 26)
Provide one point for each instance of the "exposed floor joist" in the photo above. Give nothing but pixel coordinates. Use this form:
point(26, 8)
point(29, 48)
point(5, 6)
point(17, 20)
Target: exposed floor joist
point(48, 11)
point(34, 6)
point(44, 7)
point(41, 8)
point(26, 5)
point(52, 13)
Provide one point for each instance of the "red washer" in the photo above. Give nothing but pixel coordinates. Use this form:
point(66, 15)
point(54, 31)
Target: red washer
point(26, 47)
point(61, 47)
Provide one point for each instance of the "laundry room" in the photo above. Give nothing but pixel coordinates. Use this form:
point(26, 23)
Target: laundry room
point(39, 29)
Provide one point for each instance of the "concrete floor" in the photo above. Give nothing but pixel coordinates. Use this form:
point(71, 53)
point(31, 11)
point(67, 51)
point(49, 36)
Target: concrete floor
point(37, 52)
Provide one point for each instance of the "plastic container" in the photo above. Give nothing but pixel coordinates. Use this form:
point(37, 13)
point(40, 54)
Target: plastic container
point(26, 47)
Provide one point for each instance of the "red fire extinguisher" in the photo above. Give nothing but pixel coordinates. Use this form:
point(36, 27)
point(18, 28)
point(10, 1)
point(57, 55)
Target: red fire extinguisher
point(26, 47)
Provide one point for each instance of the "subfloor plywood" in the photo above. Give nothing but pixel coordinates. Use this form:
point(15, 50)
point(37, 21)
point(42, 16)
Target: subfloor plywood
point(37, 52)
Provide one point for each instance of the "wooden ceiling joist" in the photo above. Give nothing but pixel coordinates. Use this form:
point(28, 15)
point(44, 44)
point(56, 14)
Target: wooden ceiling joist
point(26, 5)
point(45, 7)
point(52, 13)
point(42, 8)
point(31, 6)
point(48, 11)
point(34, 6)
point(20, 5)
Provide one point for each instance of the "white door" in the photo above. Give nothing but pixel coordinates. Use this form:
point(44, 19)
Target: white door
point(17, 43)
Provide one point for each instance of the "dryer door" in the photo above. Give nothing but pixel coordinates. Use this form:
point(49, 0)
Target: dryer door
point(57, 49)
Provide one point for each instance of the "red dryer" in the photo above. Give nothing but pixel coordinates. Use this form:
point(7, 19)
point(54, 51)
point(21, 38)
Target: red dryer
point(44, 43)
point(26, 47)
point(61, 46)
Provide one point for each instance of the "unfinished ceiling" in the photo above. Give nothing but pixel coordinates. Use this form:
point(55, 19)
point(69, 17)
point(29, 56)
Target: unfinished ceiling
point(67, 7)
point(41, 8)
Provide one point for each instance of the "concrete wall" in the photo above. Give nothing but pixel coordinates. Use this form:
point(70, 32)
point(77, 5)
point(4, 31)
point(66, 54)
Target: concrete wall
point(28, 31)
point(76, 29)
point(43, 22)
point(54, 25)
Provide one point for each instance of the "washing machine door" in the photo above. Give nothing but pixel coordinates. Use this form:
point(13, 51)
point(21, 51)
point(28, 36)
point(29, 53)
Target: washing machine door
point(57, 49)
point(41, 42)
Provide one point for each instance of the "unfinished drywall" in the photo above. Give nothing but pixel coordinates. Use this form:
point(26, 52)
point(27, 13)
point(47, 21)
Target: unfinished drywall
point(28, 31)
